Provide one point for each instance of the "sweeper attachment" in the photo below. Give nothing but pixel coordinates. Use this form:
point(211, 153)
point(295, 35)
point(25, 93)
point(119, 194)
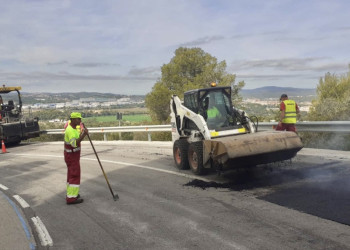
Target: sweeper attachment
point(207, 132)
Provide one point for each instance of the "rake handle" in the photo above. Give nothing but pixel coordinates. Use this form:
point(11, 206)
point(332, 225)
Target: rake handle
point(115, 197)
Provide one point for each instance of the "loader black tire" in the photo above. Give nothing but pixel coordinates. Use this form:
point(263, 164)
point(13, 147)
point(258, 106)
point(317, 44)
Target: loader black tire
point(195, 157)
point(180, 153)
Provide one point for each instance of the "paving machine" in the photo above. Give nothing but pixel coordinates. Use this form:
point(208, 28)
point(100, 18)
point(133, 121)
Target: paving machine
point(208, 132)
point(14, 126)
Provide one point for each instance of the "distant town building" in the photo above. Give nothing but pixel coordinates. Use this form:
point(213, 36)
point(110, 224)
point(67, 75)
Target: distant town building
point(90, 102)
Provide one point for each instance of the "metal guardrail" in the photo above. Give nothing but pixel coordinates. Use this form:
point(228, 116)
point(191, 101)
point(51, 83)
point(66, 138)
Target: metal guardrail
point(150, 128)
point(105, 130)
point(321, 126)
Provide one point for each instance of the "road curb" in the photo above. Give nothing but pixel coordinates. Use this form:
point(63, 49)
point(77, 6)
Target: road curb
point(39, 232)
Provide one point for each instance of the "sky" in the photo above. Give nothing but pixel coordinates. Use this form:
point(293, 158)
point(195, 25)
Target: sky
point(115, 46)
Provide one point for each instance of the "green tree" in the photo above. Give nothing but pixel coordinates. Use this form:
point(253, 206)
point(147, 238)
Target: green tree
point(333, 99)
point(158, 101)
point(331, 104)
point(190, 68)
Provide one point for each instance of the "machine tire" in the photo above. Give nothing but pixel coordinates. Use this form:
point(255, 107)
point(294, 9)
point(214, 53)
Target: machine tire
point(195, 157)
point(180, 150)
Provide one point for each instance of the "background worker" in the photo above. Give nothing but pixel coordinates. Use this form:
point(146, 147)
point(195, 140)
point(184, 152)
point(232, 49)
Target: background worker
point(288, 117)
point(72, 146)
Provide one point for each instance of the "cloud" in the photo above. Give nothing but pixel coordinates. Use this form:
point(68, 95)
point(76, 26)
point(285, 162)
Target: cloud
point(103, 42)
point(290, 64)
point(57, 63)
point(344, 28)
point(66, 76)
point(268, 76)
point(145, 71)
point(202, 41)
point(93, 65)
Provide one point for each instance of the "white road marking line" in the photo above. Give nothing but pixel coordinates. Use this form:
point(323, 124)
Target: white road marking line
point(150, 168)
point(44, 236)
point(21, 201)
point(127, 164)
point(3, 187)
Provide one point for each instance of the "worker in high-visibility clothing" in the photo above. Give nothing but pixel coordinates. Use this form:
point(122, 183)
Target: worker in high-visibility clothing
point(72, 141)
point(288, 117)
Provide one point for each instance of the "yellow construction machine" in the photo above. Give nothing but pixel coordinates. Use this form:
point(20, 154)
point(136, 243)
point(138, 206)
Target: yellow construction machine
point(14, 126)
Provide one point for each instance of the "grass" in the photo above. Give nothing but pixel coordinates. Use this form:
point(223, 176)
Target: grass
point(130, 118)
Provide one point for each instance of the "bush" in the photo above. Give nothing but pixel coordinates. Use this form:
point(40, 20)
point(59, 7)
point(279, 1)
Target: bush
point(326, 140)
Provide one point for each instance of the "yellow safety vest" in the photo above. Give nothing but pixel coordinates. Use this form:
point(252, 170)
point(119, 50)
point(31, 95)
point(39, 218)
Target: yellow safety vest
point(213, 112)
point(77, 127)
point(290, 113)
point(70, 136)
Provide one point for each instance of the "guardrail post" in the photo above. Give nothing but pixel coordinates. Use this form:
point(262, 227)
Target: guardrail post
point(149, 136)
point(105, 136)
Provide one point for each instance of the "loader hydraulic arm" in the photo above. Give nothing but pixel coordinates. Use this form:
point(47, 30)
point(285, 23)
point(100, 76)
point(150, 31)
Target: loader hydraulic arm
point(180, 112)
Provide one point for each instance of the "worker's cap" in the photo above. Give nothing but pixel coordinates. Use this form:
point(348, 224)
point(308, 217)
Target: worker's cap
point(283, 96)
point(75, 115)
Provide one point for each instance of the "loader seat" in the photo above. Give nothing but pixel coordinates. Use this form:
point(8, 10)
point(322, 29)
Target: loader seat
point(8, 107)
point(11, 105)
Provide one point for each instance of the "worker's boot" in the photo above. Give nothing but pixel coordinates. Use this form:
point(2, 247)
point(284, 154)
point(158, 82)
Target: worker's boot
point(77, 201)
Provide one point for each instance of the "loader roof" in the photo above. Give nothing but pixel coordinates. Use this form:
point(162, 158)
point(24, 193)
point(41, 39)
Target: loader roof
point(6, 90)
point(207, 89)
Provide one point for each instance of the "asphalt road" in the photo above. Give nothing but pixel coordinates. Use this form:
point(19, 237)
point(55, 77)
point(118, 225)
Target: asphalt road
point(303, 204)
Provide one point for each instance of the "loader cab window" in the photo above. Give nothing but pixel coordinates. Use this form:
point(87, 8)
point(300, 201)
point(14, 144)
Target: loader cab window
point(190, 102)
point(218, 109)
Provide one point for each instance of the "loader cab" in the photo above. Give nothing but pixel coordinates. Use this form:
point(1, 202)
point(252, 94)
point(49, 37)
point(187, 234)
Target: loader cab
point(10, 104)
point(214, 104)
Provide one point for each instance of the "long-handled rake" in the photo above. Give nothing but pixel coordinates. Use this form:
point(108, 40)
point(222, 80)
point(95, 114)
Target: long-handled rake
point(115, 196)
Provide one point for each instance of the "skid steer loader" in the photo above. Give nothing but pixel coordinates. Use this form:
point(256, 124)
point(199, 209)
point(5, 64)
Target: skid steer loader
point(208, 132)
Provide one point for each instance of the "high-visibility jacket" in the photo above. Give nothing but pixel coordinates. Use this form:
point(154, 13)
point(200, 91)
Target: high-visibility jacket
point(70, 139)
point(79, 127)
point(213, 112)
point(290, 112)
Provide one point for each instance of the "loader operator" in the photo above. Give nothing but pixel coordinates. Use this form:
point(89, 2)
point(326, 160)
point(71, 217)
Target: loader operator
point(72, 140)
point(212, 111)
point(213, 115)
point(289, 110)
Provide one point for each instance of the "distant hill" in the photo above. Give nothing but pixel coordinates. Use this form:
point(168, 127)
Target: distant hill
point(275, 92)
point(31, 98)
point(262, 93)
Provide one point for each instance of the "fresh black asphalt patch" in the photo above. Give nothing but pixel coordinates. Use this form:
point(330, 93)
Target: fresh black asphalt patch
point(319, 190)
